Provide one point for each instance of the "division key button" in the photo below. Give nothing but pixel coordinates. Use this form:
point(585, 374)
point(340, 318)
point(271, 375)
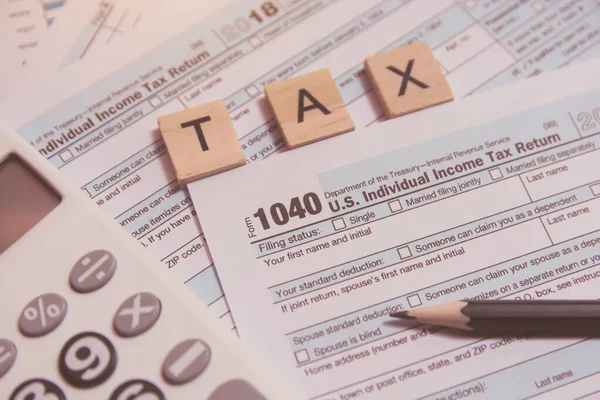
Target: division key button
point(42, 315)
point(92, 271)
point(8, 354)
point(186, 361)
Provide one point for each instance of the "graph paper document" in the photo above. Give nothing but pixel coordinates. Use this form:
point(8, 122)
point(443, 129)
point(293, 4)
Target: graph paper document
point(100, 127)
point(506, 205)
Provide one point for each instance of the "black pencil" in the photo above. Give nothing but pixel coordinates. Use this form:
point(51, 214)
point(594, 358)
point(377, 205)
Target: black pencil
point(537, 316)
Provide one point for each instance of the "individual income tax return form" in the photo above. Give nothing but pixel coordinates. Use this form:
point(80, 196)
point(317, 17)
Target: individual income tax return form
point(100, 127)
point(503, 203)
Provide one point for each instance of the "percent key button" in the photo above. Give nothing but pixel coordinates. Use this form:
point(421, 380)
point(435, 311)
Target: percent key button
point(92, 271)
point(42, 315)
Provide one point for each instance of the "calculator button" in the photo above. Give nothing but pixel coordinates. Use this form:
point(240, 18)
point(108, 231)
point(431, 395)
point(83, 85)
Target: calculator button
point(236, 389)
point(92, 271)
point(8, 354)
point(42, 315)
point(137, 314)
point(137, 389)
point(37, 389)
point(87, 360)
point(186, 361)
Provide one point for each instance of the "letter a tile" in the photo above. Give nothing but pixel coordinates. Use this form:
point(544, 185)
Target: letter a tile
point(201, 141)
point(407, 79)
point(308, 108)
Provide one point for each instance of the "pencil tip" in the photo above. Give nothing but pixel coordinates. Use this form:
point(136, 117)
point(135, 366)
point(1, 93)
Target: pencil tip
point(401, 314)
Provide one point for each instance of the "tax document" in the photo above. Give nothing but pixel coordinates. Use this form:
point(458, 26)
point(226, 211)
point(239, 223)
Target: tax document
point(22, 27)
point(94, 27)
point(100, 127)
point(112, 32)
point(316, 246)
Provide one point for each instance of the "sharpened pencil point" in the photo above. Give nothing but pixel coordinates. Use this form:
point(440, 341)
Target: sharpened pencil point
point(401, 314)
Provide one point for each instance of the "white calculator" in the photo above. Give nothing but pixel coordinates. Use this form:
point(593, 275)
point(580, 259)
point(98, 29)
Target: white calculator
point(86, 314)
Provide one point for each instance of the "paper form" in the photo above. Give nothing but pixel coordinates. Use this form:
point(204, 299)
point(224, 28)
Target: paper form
point(22, 26)
point(112, 32)
point(361, 225)
point(52, 9)
point(104, 138)
point(94, 27)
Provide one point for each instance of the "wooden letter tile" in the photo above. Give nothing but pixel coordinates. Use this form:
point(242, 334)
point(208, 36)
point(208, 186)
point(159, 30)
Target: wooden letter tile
point(201, 141)
point(308, 108)
point(407, 79)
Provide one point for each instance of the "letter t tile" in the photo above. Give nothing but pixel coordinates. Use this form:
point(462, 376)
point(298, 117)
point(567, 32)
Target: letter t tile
point(201, 141)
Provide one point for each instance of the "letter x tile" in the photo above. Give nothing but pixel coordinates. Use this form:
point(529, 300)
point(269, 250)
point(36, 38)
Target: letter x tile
point(407, 79)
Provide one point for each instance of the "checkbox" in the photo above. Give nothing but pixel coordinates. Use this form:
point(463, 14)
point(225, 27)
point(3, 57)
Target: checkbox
point(395, 206)
point(538, 6)
point(339, 224)
point(87, 191)
point(255, 41)
point(496, 174)
point(252, 90)
point(66, 155)
point(595, 189)
point(404, 252)
point(302, 356)
point(155, 101)
point(470, 3)
point(414, 300)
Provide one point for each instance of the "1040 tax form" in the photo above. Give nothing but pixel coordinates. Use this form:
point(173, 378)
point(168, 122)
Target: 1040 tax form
point(99, 127)
point(507, 205)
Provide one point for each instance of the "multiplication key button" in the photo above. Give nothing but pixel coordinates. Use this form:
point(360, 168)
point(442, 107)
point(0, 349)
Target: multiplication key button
point(92, 271)
point(137, 314)
point(186, 361)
